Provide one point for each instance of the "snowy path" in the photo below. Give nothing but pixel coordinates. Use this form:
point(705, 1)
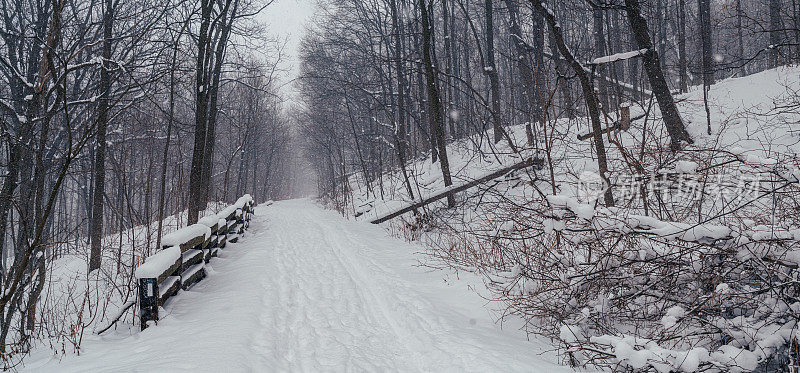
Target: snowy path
point(306, 290)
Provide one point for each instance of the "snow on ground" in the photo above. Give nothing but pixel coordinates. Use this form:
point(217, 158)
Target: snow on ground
point(755, 115)
point(75, 304)
point(306, 290)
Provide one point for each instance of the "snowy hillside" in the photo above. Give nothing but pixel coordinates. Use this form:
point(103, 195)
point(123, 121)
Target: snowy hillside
point(729, 178)
point(751, 115)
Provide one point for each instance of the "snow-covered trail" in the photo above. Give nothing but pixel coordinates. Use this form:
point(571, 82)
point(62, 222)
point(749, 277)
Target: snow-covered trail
point(306, 290)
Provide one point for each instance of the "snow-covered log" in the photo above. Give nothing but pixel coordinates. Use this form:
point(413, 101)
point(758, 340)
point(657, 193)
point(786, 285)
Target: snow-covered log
point(160, 265)
point(454, 189)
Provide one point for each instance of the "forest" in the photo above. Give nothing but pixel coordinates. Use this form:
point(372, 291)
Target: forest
point(115, 115)
point(655, 229)
point(622, 176)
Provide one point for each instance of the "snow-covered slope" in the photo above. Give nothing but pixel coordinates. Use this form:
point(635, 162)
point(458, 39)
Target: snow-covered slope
point(306, 290)
point(606, 282)
point(757, 114)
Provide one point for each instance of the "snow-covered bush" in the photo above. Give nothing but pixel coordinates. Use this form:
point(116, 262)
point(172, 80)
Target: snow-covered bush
point(693, 268)
point(687, 283)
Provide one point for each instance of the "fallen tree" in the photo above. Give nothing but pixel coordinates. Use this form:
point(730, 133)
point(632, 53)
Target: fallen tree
point(455, 188)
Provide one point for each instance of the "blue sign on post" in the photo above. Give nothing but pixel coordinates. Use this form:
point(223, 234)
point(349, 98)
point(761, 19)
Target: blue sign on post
point(148, 301)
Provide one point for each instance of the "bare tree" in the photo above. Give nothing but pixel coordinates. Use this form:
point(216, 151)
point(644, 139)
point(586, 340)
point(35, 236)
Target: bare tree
point(589, 97)
point(652, 65)
point(100, 139)
point(529, 67)
point(216, 21)
point(435, 114)
point(491, 70)
point(775, 32)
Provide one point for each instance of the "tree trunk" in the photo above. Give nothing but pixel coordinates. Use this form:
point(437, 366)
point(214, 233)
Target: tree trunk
point(633, 70)
point(7, 194)
point(212, 43)
point(491, 70)
point(434, 103)
point(796, 21)
point(422, 102)
point(447, 100)
point(740, 36)
point(588, 94)
point(201, 112)
point(170, 119)
point(100, 153)
point(600, 50)
point(530, 89)
point(562, 68)
point(706, 46)
point(219, 56)
point(357, 142)
point(775, 32)
point(682, 65)
point(652, 66)
point(400, 128)
point(661, 19)
point(539, 73)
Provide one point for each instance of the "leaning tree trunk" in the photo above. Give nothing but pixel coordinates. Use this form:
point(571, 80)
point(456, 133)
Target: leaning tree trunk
point(588, 93)
point(652, 65)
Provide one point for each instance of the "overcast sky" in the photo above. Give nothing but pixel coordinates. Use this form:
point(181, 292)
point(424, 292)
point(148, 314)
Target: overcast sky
point(288, 19)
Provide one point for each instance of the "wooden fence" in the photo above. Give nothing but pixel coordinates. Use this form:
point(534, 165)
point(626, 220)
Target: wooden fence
point(181, 261)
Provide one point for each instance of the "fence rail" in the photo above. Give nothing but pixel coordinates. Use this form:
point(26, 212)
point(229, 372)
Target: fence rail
point(181, 261)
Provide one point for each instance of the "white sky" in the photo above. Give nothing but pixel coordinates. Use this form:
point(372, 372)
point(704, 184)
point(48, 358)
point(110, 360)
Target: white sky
point(288, 19)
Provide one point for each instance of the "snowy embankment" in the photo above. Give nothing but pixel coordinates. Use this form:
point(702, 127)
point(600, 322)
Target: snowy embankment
point(307, 290)
point(672, 276)
point(749, 115)
point(76, 304)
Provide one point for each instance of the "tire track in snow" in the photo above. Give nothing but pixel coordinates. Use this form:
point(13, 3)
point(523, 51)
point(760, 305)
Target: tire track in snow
point(326, 321)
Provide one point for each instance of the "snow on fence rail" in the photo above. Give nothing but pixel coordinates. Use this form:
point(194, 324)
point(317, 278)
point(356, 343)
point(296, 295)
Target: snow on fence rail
point(181, 261)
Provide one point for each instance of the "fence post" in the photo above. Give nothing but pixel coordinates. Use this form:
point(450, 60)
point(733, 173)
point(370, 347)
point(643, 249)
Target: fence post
point(171, 277)
point(625, 117)
point(148, 301)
